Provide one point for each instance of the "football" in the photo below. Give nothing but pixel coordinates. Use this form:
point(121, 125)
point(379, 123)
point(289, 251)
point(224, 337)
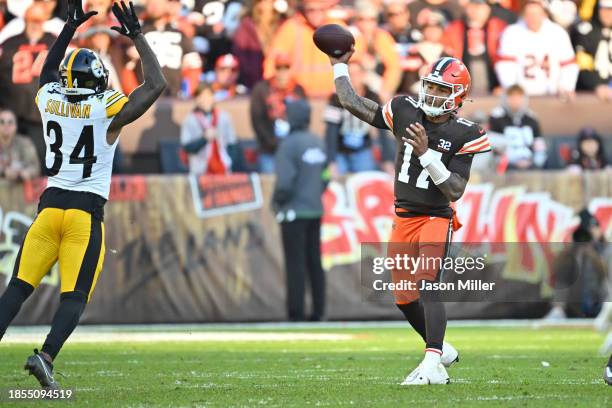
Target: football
point(333, 39)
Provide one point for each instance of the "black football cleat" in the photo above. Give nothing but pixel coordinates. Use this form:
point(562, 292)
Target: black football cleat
point(42, 370)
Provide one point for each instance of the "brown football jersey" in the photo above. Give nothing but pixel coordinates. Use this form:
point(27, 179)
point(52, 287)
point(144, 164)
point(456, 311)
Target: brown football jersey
point(454, 141)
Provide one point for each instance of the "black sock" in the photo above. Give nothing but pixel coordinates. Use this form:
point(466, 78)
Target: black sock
point(11, 300)
point(435, 318)
point(64, 322)
point(415, 315)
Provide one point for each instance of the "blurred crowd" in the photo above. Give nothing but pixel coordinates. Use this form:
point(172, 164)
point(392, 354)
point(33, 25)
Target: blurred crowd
point(215, 50)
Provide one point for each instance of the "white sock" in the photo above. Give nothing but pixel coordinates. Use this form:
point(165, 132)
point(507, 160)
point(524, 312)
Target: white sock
point(432, 357)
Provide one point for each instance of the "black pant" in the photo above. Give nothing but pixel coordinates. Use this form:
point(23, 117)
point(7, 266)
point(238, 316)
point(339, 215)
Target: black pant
point(302, 246)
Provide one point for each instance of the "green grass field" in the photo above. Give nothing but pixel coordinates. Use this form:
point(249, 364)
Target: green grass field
point(356, 367)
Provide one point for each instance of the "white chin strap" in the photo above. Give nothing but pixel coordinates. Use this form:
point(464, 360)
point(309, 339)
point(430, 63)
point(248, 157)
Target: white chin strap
point(432, 111)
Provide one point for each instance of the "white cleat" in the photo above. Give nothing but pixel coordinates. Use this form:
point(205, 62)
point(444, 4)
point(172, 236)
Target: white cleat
point(427, 375)
point(449, 355)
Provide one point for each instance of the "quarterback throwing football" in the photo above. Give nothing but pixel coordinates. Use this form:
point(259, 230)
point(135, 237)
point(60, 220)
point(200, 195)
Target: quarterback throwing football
point(82, 120)
point(432, 167)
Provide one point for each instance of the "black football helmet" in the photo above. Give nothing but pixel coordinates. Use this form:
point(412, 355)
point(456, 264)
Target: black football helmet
point(83, 73)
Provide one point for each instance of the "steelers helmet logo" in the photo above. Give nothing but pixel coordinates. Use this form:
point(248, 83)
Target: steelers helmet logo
point(96, 68)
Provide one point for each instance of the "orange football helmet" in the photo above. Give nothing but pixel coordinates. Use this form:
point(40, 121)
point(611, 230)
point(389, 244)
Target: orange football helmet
point(446, 72)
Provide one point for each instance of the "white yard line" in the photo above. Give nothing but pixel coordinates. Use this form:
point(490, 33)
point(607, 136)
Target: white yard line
point(200, 327)
point(84, 336)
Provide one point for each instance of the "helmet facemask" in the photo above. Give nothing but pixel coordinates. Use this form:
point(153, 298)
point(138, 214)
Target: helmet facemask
point(437, 105)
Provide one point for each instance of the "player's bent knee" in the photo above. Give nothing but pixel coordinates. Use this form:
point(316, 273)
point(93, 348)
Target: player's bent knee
point(24, 287)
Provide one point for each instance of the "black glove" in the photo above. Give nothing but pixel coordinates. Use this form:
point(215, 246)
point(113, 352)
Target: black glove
point(130, 26)
point(76, 15)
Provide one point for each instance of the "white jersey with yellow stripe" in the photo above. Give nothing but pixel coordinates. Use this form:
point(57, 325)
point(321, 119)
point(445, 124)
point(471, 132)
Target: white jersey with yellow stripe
point(78, 156)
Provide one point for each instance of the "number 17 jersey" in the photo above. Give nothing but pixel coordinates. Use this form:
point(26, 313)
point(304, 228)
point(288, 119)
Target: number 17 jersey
point(78, 156)
point(454, 142)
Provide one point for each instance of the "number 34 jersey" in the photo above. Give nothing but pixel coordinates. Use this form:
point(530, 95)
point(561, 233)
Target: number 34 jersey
point(78, 156)
point(454, 142)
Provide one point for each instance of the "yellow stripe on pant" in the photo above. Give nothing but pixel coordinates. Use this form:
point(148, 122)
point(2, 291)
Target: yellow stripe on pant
point(71, 236)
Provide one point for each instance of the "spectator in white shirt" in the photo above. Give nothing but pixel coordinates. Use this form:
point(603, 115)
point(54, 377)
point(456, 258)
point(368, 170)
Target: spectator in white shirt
point(537, 54)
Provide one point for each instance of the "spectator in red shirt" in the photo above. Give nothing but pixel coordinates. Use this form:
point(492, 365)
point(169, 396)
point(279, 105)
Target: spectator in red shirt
point(268, 115)
point(21, 60)
point(15, 26)
point(253, 39)
point(474, 39)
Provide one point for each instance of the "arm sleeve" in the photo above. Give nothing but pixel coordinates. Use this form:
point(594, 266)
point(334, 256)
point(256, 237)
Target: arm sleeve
point(49, 71)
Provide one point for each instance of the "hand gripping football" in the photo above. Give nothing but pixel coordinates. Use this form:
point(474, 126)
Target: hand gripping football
point(333, 39)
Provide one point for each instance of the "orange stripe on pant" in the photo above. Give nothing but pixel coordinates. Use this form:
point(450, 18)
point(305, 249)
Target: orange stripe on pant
point(422, 241)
